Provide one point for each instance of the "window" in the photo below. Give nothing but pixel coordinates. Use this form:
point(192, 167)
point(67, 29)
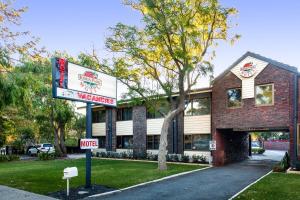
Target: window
point(98, 116)
point(264, 94)
point(101, 141)
point(199, 142)
point(198, 107)
point(234, 98)
point(153, 141)
point(124, 114)
point(125, 142)
point(154, 114)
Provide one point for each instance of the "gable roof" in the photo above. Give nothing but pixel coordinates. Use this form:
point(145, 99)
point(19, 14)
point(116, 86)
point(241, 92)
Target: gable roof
point(259, 57)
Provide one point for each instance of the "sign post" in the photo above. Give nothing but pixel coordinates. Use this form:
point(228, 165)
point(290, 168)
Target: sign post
point(88, 151)
point(77, 83)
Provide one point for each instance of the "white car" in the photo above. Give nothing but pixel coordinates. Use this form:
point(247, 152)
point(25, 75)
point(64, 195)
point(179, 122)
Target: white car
point(44, 148)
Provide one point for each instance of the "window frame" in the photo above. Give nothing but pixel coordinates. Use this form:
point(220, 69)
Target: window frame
point(122, 115)
point(192, 142)
point(227, 99)
point(94, 116)
point(122, 136)
point(192, 101)
point(153, 142)
point(273, 94)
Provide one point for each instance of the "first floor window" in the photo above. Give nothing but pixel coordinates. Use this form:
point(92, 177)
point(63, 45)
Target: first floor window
point(234, 98)
point(264, 94)
point(198, 107)
point(153, 141)
point(198, 142)
point(98, 116)
point(124, 114)
point(124, 142)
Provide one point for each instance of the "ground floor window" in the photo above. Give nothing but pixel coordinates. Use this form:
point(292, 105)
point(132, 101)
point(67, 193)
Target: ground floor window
point(153, 141)
point(124, 142)
point(198, 142)
point(101, 141)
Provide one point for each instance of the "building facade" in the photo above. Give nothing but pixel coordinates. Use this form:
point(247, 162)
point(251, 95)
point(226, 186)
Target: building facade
point(254, 94)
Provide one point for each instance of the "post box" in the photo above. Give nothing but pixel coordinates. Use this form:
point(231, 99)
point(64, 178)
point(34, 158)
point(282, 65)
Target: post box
point(70, 172)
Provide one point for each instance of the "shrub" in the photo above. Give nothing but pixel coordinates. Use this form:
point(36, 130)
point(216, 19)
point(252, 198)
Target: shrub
point(7, 158)
point(153, 157)
point(185, 158)
point(283, 165)
point(173, 157)
point(278, 168)
point(258, 151)
point(199, 159)
point(46, 156)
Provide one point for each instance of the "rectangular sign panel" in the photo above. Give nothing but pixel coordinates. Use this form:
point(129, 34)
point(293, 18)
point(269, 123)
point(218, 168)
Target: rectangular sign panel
point(88, 143)
point(74, 82)
point(212, 145)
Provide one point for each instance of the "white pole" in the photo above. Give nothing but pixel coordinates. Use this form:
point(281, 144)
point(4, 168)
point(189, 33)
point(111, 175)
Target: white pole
point(67, 187)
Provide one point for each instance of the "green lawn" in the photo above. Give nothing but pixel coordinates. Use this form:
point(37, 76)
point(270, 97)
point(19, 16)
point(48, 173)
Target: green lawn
point(274, 186)
point(46, 176)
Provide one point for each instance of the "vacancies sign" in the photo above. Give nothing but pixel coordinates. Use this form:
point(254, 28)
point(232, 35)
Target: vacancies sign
point(74, 82)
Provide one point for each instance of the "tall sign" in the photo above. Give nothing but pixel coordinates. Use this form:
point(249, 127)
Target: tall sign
point(78, 83)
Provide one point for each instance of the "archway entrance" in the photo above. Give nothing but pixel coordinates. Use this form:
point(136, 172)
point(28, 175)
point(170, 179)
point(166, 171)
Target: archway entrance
point(237, 145)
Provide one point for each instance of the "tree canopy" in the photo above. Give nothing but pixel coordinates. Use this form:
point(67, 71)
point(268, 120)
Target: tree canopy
point(168, 53)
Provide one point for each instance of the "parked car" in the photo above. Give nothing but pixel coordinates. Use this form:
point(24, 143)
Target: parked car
point(255, 145)
point(44, 148)
point(257, 148)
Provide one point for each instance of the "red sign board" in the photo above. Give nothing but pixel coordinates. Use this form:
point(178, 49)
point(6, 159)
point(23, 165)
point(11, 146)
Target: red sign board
point(88, 143)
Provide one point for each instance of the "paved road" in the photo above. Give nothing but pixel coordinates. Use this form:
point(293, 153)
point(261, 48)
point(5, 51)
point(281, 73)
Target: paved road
point(8, 193)
point(269, 155)
point(214, 183)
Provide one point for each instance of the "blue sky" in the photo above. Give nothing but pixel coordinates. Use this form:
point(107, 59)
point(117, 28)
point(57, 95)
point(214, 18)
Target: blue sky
point(270, 28)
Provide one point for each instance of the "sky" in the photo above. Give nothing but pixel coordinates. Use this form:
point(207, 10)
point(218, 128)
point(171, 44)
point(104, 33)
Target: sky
point(269, 28)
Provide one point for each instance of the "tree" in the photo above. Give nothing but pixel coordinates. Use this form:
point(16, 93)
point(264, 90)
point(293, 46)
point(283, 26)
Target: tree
point(12, 40)
point(168, 54)
point(79, 126)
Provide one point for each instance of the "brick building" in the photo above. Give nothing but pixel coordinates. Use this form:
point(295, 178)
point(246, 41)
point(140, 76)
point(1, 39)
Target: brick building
point(254, 94)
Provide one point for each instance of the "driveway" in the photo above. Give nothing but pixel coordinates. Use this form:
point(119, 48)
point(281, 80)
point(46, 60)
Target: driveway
point(214, 183)
point(269, 155)
point(16, 194)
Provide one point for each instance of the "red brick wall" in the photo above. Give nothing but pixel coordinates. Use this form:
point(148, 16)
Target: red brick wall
point(250, 115)
point(279, 115)
point(277, 145)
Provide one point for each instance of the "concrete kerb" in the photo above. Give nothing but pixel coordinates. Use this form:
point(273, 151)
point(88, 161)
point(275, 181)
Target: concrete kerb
point(149, 182)
point(248, 186)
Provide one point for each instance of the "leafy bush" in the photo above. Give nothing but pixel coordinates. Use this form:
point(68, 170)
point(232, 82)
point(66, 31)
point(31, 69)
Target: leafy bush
point(258, 151)
point(283, 165)
point(185, 158)
point(173, 157)
point(199, 159)
point(46, 156)
point(153, 157)
point(7, 158)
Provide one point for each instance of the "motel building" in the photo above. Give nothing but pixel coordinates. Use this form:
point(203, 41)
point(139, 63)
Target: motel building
point(254, 94)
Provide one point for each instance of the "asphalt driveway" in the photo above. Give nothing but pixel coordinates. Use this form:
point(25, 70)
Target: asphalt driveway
point(214, 183)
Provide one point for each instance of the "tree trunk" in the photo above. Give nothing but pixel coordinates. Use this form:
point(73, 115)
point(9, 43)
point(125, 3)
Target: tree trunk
point(62, 140)
point(162, 151)
point(56, 142)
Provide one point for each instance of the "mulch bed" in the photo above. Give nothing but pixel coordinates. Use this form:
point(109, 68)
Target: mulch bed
point(80, 192)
